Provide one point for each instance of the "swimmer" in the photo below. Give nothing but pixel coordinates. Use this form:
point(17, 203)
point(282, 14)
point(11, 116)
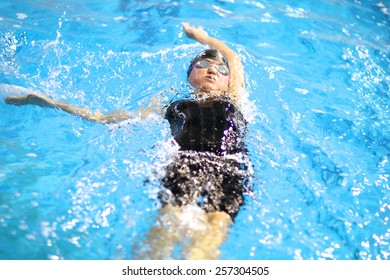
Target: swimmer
point(203, 186)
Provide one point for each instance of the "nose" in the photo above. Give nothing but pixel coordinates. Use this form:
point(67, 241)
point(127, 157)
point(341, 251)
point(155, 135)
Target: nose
point(212, 69)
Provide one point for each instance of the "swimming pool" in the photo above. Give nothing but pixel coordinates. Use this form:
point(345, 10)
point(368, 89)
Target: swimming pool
point(317, 74)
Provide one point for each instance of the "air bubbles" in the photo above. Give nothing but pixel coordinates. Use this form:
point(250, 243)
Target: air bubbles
point(21, 16)
point(302, 91)
point(34, 204)
point(53, 257)
point(120, 18)
point(32, 155)
point(296, 12)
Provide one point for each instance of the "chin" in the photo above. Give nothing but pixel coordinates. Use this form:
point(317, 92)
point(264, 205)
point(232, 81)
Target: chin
point(207, 87)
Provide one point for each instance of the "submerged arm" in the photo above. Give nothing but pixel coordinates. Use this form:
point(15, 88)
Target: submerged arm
point(43, 101)
point(235, 65)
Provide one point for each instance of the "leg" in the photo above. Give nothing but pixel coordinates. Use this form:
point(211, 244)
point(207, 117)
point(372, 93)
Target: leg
point(197, 233)
point(205, 242)
point(162, 238)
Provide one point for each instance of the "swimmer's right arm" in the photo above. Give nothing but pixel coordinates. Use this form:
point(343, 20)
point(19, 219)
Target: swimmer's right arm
point(43, 101)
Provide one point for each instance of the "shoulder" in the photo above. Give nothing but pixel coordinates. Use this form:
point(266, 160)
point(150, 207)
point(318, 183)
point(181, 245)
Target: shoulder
point(179, 103)
point(174, 107)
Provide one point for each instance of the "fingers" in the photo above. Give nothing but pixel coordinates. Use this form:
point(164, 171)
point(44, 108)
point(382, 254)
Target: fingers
point(188, 29)
point(196, 33)
point(192, 29)
point(16, 100)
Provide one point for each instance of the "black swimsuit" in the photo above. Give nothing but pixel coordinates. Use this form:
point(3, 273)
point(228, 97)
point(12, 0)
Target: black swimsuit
point(211, 168)
point(215, 126)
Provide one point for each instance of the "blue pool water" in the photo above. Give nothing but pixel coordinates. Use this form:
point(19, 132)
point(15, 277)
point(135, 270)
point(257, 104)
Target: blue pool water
point(317, 74)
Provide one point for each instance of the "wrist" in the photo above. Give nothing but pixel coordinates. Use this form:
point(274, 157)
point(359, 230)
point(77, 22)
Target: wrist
point(203, 38)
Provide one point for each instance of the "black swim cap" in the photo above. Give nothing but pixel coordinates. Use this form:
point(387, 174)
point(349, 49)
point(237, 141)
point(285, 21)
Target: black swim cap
point(209, 53)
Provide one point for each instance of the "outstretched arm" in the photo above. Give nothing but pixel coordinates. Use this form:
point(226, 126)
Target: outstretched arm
point(43, 101)
point(235, 65)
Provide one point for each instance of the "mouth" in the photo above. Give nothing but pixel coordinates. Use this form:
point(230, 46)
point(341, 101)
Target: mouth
point(210, 78)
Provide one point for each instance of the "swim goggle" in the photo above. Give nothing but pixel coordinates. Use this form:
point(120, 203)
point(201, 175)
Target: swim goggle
point(221, 68)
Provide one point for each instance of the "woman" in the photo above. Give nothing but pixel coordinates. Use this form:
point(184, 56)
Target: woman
point(205, 182)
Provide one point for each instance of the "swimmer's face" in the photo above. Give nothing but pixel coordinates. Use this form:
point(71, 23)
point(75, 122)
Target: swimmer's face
point(209, 79)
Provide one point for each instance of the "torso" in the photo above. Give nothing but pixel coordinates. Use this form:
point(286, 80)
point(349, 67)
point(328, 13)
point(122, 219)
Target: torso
point(214, 125)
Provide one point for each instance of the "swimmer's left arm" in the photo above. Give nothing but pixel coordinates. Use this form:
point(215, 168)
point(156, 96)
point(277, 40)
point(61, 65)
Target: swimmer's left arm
point(235, 64)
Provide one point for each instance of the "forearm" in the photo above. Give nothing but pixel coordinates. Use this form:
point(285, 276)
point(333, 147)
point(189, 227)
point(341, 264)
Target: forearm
point(80, 112)
point(235, 64)
point(90, 115)
point(43, 101)
point(219, 45)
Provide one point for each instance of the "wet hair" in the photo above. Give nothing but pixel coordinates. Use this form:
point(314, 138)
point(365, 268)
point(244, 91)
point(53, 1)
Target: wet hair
point(209, 53)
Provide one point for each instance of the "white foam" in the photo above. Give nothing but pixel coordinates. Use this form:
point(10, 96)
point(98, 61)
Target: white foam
point(7, 90)
point(120, 18)
point(302, 91)
point(247, 107)
point(192, 217)
point(32, 155)
point(21, 16)
point(296, 12)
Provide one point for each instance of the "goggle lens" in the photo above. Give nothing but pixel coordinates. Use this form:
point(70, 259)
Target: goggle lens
point(221, 68)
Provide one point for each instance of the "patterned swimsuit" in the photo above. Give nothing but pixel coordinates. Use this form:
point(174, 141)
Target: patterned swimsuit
point(212, 166)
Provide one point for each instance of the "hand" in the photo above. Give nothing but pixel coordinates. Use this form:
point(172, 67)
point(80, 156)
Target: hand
point(30, 99)
point(196, 33)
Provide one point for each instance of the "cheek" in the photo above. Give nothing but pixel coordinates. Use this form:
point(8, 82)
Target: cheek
point(224, 81)
point(193, 77)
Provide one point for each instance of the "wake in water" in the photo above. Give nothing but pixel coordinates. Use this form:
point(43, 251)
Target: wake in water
point(13, 90)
